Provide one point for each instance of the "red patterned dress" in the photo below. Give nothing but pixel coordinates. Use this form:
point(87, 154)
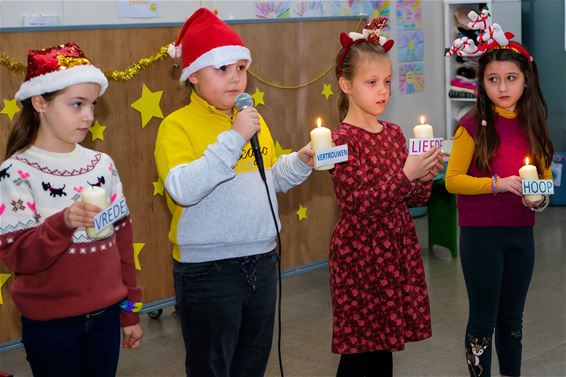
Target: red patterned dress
point(377, 278)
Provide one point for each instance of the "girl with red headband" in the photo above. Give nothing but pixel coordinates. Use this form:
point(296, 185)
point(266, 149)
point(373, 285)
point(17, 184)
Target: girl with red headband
point(496, 221)
point(379, 294)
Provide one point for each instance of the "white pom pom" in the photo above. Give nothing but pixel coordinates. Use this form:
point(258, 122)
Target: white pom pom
point(355, 36)
point(174, 51)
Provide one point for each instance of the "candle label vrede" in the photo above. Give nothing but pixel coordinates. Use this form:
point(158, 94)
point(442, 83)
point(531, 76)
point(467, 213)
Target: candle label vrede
point(333, 155)
point(538, 186)
point(421, 145)
point(110, 215)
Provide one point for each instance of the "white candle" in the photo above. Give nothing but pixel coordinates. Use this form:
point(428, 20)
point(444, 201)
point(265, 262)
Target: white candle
point(321, 138)
point(423, 130)
point(529, 173)
point(97, 196)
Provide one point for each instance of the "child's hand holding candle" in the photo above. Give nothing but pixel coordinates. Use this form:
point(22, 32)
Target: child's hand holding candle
point(529, 173)
point(321, 138)
point(423, 131)
point(97, 196)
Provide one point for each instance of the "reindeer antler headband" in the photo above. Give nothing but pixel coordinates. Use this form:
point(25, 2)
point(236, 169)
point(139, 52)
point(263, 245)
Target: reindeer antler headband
point(491, 36)
point(370, 33)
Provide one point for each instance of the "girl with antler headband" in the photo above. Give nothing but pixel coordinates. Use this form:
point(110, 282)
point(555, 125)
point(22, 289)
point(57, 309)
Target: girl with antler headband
point(379, 294)
point(496, 222)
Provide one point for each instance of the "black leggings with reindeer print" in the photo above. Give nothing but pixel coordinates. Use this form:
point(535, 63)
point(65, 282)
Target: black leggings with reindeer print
point(498, 264)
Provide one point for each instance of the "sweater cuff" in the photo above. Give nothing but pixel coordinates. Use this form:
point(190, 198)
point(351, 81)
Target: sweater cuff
point(300, 167)
point(407, 186)
point(55, 224)
point(129, 319)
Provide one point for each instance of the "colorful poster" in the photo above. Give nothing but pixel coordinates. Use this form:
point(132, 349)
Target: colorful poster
point(380, 8)
point(308, 9)
point(336, 8)
point(410, 46)
point(272, 9)
point(409, 14)
point(411, 78)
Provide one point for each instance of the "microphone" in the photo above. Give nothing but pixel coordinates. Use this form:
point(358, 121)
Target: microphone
point(244, 100)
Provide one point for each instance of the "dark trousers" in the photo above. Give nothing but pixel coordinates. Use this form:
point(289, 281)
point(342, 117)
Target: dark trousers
point(366, 364)
point(82, 346)
point(227, 324)
point(498, 265)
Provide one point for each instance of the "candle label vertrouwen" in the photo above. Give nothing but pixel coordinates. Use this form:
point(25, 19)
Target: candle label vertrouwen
point(332, 155)
point(421, 145)
point(539, 186)
point(110, 215)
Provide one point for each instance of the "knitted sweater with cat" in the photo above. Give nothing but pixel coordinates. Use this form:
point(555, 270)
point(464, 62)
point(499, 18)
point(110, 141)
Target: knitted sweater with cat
point(59, 272)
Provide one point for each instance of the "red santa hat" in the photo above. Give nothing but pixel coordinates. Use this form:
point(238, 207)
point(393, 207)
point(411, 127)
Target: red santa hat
point(206, 41)
point(55, 68)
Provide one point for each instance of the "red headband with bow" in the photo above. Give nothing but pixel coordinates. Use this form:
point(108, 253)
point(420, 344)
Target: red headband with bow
point(370, 33)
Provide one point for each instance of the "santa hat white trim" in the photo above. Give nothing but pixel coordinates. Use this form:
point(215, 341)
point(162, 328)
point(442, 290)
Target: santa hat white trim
point(58, 80)
point(217, 57)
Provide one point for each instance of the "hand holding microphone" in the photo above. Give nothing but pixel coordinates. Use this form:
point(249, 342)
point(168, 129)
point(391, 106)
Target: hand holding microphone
point(247, 124)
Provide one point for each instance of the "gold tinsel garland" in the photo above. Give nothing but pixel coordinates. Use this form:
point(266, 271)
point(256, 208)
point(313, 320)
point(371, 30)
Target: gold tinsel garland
point(12, 65)
point(134, 69)
point(144, 63)
point(124, 75)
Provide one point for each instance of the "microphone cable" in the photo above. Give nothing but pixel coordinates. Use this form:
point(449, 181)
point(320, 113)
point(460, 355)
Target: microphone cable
point(280, 290)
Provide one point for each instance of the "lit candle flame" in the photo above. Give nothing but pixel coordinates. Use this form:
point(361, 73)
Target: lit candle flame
point(318, 122)
point(526, 161)
point(422, 119)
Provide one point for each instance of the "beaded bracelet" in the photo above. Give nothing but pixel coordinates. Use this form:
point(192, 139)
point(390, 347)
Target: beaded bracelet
point(131, 306)
point(494, 184)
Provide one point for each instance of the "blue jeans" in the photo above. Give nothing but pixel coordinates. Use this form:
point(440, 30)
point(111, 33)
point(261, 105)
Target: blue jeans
point(227, 324)
point(498, 265)
point(82, 346)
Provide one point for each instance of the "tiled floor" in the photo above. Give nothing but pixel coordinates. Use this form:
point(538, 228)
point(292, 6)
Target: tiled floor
point(307, 321)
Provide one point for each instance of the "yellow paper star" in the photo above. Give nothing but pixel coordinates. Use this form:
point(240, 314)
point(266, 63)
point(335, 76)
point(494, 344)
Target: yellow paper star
point(138, 246)
point(3, 279)
point(158, 187)
point(97, 131)
point(258, 97)
point(327, 91)
point(280, 151)
point(10, 108)
point(148, 105)
point(302, 212)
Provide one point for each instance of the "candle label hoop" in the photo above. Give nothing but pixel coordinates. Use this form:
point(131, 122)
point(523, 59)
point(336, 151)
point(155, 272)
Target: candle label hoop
point(538, 187)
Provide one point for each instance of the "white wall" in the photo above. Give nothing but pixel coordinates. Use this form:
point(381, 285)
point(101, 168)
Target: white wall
point(91, 12)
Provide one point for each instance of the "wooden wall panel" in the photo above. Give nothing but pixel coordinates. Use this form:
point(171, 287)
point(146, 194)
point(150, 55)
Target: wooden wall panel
point(284, 53)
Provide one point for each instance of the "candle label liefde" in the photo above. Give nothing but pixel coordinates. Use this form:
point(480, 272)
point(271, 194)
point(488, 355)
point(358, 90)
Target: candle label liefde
point(421, 145)
point(538, 186)
point(328, 156)
point(110, 215)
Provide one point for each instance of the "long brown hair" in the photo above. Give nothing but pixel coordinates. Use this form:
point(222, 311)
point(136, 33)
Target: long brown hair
point(26, 126)
point(349, 64)
point(531, 112)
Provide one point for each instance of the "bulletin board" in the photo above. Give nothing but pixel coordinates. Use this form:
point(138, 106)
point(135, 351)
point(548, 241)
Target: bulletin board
point(296, 54)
